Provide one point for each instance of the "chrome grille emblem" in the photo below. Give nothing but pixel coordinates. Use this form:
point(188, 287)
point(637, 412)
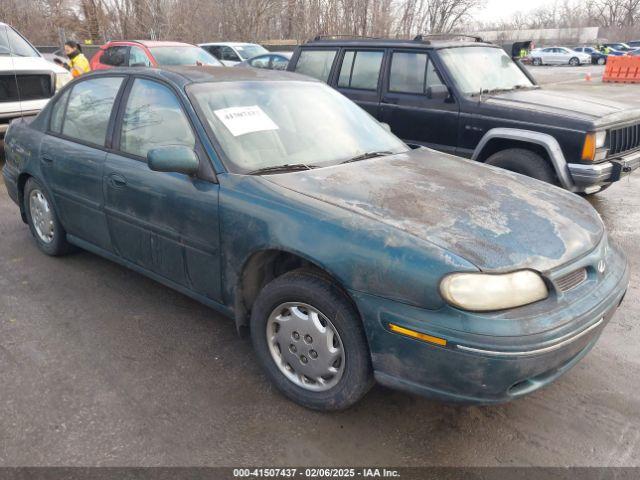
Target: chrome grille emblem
point(602, 266)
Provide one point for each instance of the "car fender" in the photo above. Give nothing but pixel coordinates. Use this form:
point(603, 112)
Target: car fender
point(548, 142)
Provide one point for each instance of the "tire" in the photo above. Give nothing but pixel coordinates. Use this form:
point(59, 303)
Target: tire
point(601, 61)
point(537, 62)
point(525, 162)
point(574, 61)
point(294, 295)
point(49, 234)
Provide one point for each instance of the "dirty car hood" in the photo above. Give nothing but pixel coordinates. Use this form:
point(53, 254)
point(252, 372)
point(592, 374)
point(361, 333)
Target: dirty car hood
point(495, 219)
point(595, 110)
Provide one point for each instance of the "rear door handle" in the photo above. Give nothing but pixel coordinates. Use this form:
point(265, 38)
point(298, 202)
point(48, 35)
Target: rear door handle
point(116, 180)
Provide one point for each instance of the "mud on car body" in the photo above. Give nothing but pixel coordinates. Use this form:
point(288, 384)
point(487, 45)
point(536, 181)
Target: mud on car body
point(348, 255)
point(473, 100)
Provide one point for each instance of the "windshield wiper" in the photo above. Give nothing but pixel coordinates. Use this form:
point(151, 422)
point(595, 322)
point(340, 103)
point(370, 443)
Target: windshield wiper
point(288, 167)
point(367, 155)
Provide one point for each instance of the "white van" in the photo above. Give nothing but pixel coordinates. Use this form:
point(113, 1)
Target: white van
point(27, 80)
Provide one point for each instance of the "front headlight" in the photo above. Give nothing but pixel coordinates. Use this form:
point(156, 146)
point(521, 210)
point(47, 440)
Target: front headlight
point(481, 292)
point(62, 79)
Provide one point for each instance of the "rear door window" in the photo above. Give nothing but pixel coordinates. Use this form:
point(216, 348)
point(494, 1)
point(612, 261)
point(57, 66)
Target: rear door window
point(316, 63)
point(89, 109)
point(57, 113)
point(360, 69)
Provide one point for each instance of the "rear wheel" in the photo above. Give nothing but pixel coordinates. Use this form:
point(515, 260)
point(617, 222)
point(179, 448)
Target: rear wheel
point(601, 61)
point(574, 61)
point(43, 221)
point(524, 162)
point(309, 339)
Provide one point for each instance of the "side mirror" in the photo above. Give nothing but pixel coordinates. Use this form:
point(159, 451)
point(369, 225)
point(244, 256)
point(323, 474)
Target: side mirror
point(386, 126)
point(438, 91)
point(173, 158)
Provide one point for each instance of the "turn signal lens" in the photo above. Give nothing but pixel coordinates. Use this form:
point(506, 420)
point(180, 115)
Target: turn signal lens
point(417, 335)
point(482, 292)
point(592, 142)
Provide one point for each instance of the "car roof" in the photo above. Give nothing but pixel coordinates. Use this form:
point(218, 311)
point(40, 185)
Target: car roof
point(151, 43)
point(425, 42)
point(184, 75)
point(228, 44)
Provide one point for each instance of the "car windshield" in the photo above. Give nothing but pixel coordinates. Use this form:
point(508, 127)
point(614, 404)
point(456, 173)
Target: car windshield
point(11, 43)
point(270, 124)
point(250, 51)
point(483, 68)
point(183, 55)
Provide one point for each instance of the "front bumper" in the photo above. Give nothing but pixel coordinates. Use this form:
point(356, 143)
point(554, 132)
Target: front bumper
point(476, 366)
point(591, 178)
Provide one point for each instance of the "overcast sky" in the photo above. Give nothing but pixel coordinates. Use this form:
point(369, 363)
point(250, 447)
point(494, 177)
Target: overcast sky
point(501, 9)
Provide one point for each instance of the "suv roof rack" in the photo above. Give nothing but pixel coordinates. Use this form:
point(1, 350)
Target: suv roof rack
point(426, 37)
point(329, 37)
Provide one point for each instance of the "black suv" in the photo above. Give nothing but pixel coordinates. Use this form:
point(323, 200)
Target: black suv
point(471, 99)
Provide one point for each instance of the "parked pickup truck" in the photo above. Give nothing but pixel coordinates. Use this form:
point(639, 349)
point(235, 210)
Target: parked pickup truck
point(22, 65)
point(469, 98)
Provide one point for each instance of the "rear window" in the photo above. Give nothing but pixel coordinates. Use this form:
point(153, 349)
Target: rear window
point(360, 69)
point(316, 63)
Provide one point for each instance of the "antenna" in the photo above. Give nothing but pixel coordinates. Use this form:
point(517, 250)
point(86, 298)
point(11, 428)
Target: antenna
point(5, 29)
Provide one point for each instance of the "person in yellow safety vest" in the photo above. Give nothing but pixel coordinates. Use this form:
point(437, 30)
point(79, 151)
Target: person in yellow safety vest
point(523, 52)
point(78, 63)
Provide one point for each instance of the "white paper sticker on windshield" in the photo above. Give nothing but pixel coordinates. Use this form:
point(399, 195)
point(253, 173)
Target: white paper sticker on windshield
point(242, 120)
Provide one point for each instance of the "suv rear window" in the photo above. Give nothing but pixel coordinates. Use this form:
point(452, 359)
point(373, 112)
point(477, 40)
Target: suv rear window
point(360, 69)
point(316, 63)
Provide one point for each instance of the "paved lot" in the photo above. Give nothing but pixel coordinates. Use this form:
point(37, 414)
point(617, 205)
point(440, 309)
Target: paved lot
point(101, 366)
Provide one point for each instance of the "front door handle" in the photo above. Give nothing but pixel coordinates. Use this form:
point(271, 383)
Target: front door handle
point(47, 158)
point(116, 180)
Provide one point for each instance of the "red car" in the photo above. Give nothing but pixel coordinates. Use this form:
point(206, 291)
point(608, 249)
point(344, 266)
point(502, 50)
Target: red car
point(148, 53)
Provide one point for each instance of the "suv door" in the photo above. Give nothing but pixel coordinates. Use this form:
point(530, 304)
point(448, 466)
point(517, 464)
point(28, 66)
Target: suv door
point(73, 154)
point(414, 105)
point(229, 56)
point(164, 222)
point(359, 77)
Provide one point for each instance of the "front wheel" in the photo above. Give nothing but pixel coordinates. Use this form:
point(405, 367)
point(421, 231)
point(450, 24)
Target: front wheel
point(43, 221)
point(601, 61)
point(537, 62)
point(309, 339)
point(574, 61)
point(525, 162)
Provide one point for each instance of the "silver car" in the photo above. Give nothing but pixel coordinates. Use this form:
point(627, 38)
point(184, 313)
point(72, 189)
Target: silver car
point(559, 56)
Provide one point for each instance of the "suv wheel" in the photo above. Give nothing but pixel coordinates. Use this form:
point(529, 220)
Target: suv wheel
point(309, 339)
point(524, 162)
point(574, 61)
point(601, 61)
point(43, 221)
point(537, 62)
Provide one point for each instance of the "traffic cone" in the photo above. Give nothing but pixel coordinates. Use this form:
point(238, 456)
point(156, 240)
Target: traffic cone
point(587, 77)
